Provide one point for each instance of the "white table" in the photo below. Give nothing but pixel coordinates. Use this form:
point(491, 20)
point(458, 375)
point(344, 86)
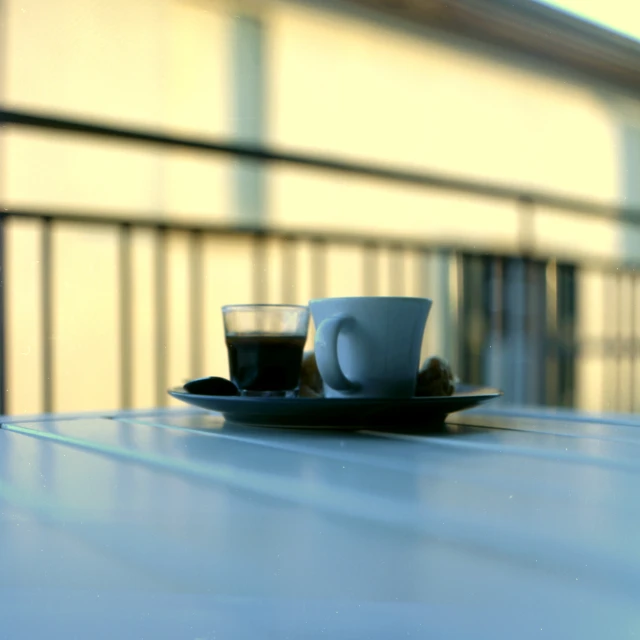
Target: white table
point(168, 525)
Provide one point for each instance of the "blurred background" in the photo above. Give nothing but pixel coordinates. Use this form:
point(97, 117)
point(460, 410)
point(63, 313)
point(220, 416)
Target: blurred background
point(160, 158)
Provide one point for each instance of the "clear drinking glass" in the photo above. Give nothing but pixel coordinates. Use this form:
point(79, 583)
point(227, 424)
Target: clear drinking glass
point(265, 344)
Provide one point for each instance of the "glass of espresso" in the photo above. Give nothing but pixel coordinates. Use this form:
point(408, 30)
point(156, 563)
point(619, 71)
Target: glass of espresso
point(265, 344)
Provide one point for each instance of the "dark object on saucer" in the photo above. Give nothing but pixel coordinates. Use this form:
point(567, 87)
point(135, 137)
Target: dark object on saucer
point(435, 379)
point(212, 386)
point(311, 385)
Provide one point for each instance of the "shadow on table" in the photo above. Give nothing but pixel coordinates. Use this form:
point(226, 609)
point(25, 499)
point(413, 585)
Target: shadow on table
point(432, 428)
point(215, 424)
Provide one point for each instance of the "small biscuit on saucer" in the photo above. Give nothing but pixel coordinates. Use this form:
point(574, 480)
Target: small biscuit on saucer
point(435, 378)
point(311, 385)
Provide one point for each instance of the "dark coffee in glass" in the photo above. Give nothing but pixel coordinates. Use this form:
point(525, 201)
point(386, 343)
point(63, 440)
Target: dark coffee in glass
point(259, 363)
point(265, 345)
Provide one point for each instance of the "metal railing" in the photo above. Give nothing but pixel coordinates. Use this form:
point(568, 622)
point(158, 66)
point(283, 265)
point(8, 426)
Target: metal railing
point(559, 343)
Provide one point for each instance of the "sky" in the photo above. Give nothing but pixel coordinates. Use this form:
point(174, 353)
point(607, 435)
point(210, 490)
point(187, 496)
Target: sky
point(622, 16)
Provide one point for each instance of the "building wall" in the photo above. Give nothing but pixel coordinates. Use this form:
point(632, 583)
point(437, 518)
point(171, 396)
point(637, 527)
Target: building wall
point(319, 78)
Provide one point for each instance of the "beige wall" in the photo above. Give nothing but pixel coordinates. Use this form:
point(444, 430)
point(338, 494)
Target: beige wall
point(368, 92)
point(338, 83)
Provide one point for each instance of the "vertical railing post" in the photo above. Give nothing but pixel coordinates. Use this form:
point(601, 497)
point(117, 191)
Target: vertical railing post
point(260, 269)
point(551, 338)
point(46, 277)
point(456, 309)
point(3, 319)
point(370, 268)
point(162, 308)
point(249, 106)
point(526, 227)
point(535, 329)
point(289, 253)
point(498, 346)
point(518, 366)
point(318, 269)
point(196, 303)
point(607, 343)
point(126, 359)
point(525, 369)
point(397, 277)
point(618, 340)
point(633, 343)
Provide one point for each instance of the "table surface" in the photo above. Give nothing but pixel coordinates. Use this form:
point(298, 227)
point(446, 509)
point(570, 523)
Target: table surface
point(506, 523)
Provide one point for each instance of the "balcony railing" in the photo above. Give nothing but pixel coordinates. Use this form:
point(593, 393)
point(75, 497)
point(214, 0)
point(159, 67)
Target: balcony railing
point(487, 288)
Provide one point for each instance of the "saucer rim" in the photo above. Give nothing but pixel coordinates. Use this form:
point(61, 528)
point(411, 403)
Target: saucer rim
point(473, 391)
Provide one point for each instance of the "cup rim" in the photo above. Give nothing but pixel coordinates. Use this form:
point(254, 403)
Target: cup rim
point(228, 307)
point(350, 298)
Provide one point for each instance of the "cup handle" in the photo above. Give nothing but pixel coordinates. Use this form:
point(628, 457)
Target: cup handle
point(326, 348)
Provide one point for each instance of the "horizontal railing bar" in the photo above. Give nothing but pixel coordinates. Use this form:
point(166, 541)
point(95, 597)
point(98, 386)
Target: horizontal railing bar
point(230, 228)
point(326, 163)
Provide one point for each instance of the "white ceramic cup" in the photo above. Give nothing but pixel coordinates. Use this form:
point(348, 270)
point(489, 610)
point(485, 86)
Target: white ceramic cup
point(369, 347)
